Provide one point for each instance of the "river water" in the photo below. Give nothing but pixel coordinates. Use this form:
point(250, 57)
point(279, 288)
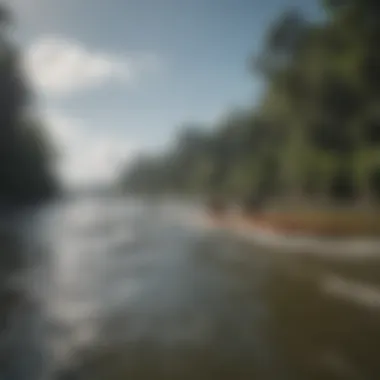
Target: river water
point(97, 287)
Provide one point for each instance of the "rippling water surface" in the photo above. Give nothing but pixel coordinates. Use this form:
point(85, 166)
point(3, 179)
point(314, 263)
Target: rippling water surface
point(114, 288)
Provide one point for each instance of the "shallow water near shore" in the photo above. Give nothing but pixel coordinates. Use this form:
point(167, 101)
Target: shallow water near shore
point(109, 287)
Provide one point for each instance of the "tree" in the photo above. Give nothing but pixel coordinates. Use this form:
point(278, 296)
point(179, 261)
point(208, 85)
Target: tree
point(315, 132)
point(25, 153)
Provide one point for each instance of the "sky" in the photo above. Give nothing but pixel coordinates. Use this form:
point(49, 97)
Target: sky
point(117, 77)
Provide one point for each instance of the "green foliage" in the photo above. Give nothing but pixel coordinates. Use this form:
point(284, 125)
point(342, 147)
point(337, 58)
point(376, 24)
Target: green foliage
point(25, 154)
point(316, 131)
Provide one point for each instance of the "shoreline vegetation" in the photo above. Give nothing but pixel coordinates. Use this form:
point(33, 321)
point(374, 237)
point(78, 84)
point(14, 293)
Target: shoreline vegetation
point(311, 223)
point(26, 155)
point(305, 158)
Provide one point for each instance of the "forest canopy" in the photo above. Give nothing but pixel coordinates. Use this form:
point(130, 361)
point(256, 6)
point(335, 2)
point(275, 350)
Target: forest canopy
point(26, 155)
point(313, 135)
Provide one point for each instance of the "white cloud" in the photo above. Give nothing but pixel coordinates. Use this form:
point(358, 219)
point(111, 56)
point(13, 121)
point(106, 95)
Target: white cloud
point(86, 157)
point(58, 67)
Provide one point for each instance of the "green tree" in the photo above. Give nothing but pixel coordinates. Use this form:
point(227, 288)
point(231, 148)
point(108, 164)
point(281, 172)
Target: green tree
point(315, 133)
point(25, 153)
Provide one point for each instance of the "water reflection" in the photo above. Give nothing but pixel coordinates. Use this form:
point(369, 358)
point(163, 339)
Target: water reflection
point(23, 352)
point(193, 317)
point(111, 289)
point(321, 332)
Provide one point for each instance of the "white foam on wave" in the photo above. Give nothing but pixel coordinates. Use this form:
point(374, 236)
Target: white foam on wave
point(361, 293)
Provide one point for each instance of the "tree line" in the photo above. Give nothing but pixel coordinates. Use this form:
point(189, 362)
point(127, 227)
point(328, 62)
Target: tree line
point(26, 156)
point(314, 135)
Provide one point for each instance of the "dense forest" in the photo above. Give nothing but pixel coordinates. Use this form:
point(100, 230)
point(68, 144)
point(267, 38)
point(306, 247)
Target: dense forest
point(26, 175)
point(313, 136)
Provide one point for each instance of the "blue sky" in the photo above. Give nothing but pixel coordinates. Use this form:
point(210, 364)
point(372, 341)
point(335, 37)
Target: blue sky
point(119, 76)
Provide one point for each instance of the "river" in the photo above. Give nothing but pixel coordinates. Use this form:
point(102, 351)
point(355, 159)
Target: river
point(101, 287)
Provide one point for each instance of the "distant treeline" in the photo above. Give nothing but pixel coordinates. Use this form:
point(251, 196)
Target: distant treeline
point(314, 134)
point(25, 154)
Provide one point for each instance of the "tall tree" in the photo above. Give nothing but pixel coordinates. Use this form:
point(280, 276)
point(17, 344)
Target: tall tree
point(25, 172)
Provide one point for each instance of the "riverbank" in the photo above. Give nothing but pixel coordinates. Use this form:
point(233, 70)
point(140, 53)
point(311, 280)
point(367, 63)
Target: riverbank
point(321, 224)
point(346, 235)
